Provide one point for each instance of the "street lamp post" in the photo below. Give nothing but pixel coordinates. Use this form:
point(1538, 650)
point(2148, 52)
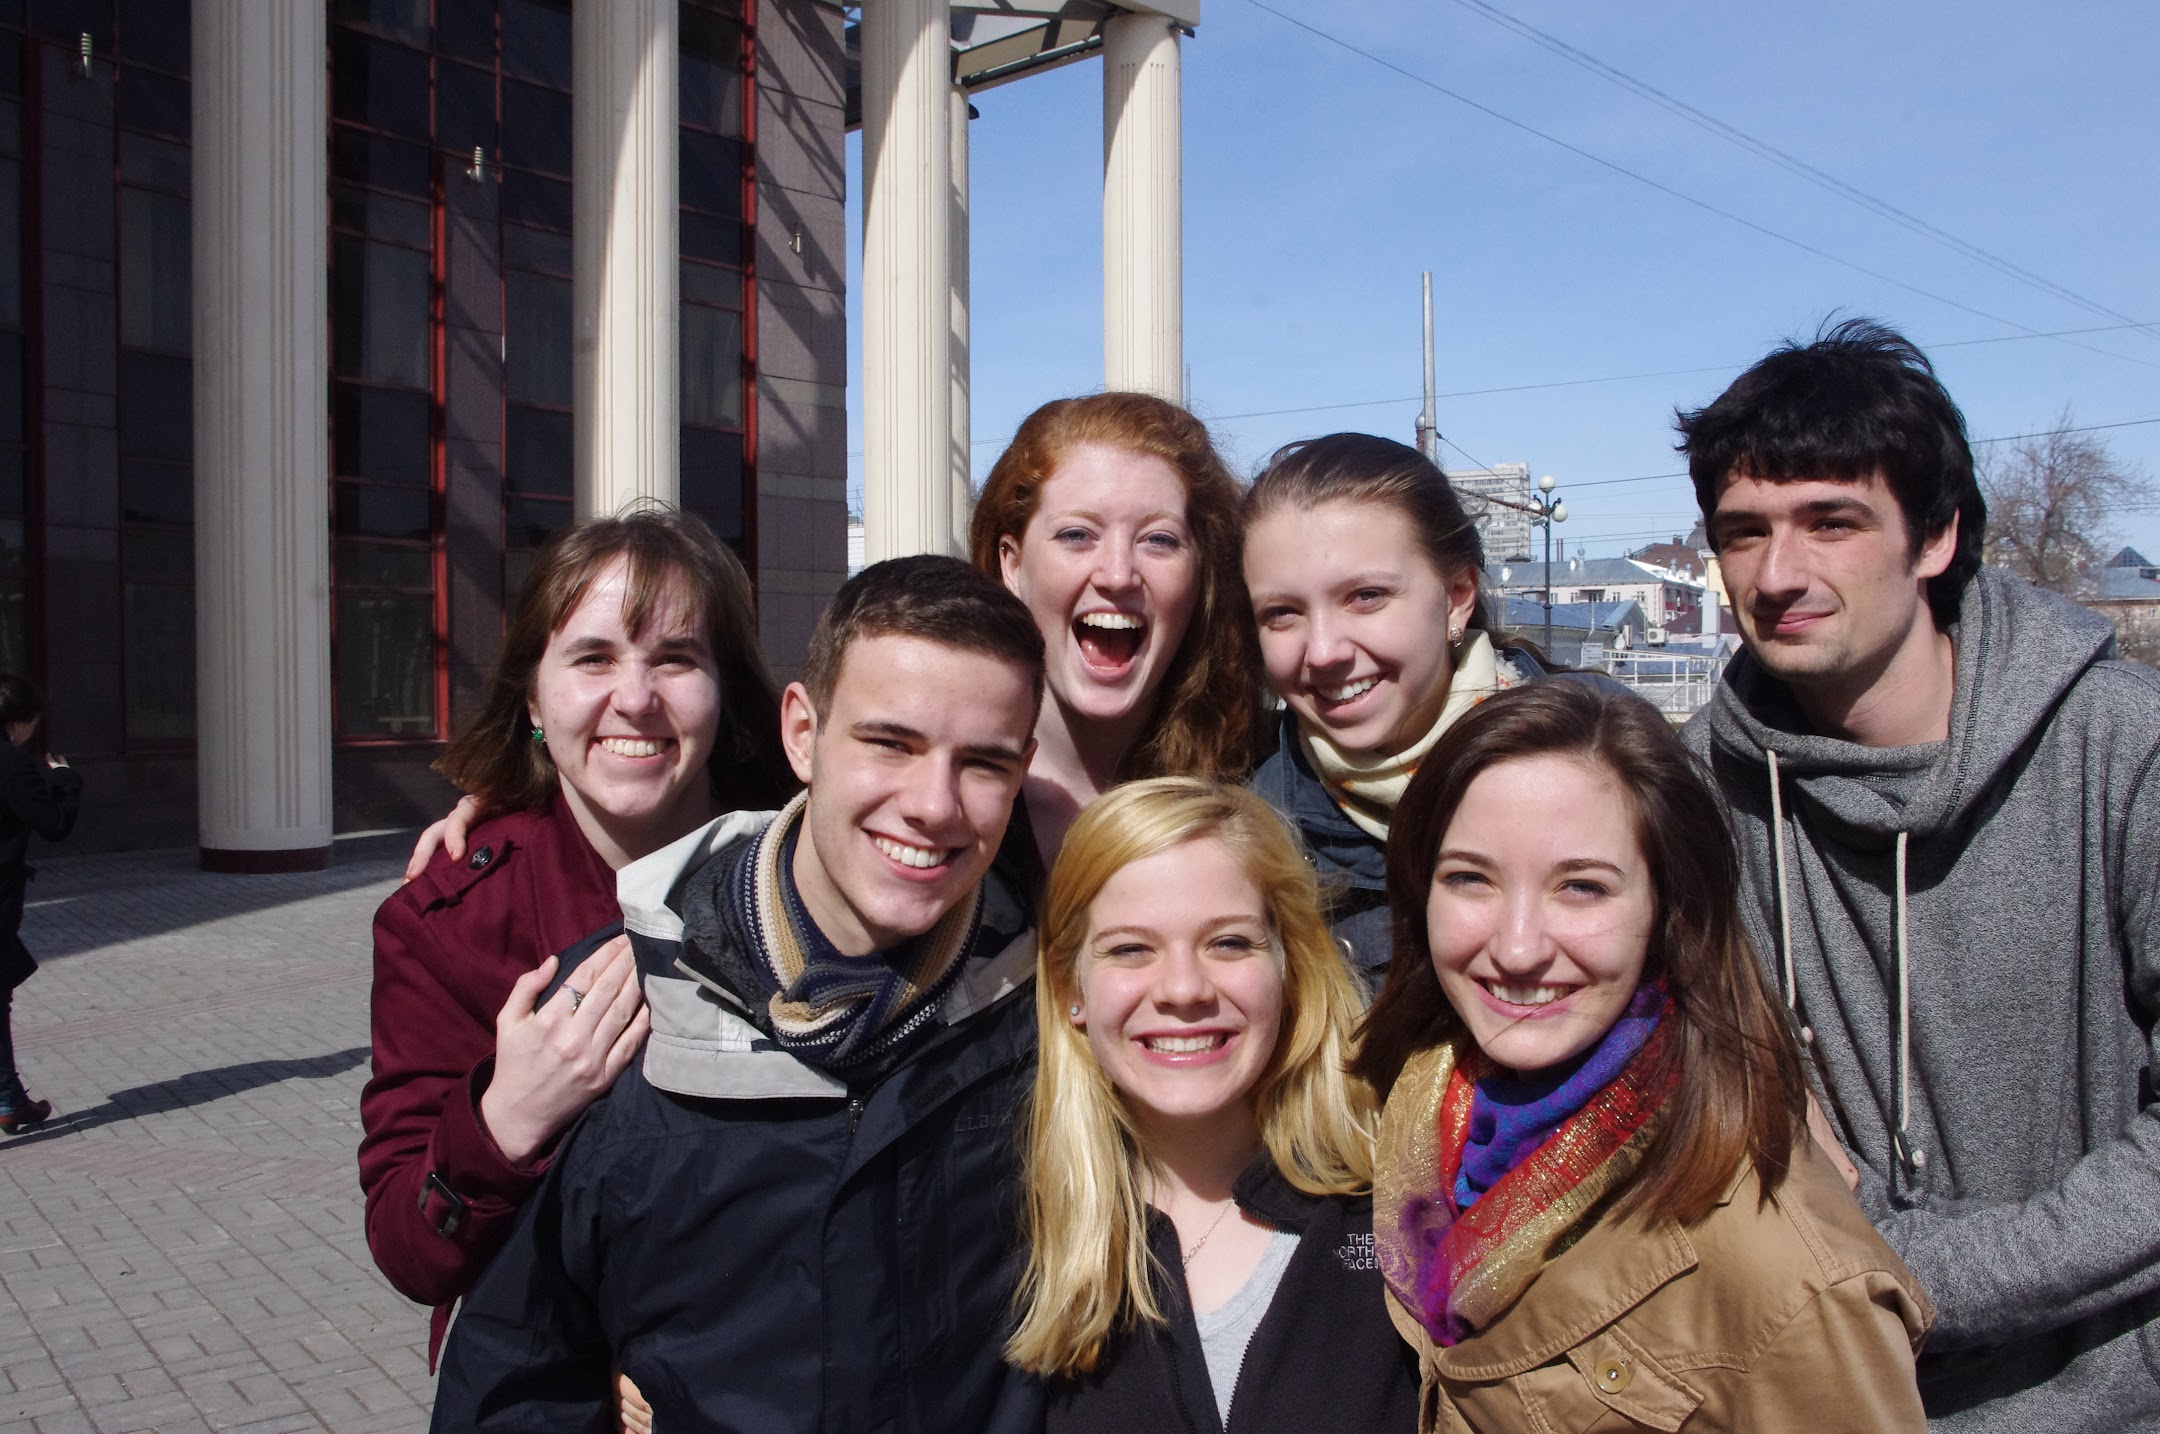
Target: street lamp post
point(1549, 510)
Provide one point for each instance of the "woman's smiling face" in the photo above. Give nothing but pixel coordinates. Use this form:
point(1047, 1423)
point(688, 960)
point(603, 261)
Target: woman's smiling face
point(1541, 908)
point(1107, 567)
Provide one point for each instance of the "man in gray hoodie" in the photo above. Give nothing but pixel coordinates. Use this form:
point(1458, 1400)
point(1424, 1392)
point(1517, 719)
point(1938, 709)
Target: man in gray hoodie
point(1946, 794)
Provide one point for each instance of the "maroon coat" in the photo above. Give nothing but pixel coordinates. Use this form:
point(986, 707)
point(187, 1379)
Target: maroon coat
point(448, 947)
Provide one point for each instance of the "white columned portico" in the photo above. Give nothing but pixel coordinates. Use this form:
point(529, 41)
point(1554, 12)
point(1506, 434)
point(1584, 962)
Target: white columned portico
point(963, 493)
point(262, 452)
point(908, 288)
point(623, 236)
point(1143, 233)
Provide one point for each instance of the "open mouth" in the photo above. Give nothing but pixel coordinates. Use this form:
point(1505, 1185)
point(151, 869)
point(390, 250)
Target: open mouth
point(914, 858)
point(1109, 641)
point(1511, 994)
point(1199, 1043)
point(1348, 691)
point(631, 746)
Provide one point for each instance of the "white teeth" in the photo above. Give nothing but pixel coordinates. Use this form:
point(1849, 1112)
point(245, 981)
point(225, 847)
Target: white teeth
point(1526, 995)
point(1115, 621)
point(1183, 1045)
point(922, 858)
point(1350, 689)
point(631, 746)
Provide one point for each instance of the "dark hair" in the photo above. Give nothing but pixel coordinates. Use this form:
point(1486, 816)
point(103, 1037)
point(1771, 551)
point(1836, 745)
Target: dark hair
point(1860, 399)
point(20, 701)
point(1738, 1089)
point(1206, 712)
point(1362, 468)
point(495, 759)
point(938, 599)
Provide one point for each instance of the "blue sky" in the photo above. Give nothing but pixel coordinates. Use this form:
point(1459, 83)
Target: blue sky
point(1318, 184)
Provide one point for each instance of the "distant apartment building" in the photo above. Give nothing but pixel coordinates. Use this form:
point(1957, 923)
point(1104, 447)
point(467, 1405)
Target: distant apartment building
point(1504, 531)
point(1671, 602)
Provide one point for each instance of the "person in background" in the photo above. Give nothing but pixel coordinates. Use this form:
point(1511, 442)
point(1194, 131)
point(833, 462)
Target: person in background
point(1114, 520)
point(1363, 572)
point(39, 794)
point(628, 706)
point(1947, 802)
point(796, 1211)
point(1597, 1204)
point(1199, 1161)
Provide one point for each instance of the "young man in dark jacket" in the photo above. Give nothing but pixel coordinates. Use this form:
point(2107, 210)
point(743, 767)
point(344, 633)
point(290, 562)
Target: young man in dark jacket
point(1947, 798)
point(797, 1212)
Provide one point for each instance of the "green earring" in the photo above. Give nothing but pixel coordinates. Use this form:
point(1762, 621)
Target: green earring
point(537, 734)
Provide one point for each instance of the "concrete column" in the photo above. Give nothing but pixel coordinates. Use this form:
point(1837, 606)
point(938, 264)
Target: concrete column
point(262, 423)
point(963, 494)
point(1143, 231)
point(623, 236)
point(907, 279)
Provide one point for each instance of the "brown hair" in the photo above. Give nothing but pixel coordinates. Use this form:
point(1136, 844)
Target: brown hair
point(1209, 704)
point(495, 758)
point(1738, 1088)
point(938, 599)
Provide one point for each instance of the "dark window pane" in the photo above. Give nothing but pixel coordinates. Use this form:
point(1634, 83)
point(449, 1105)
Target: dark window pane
point(529, 199)
point(529, 522)
point(152, 492)
point(157, 407)
point(363, 508)
point(380, 216)
point(379, 312)
point(536, 40)
point(14, 603)
point(11, 480)
point(374, 82)
point(11, 244)
point(155, 32)
point(536, 321)
point(536, 127)
point(64, 20)
point(11, 53)
point(718, 241)
point(154, 268)
point(540, 249)
point(704, 284)
point(157, 555)
point(380, 434)
point(385, 665)
point(158, 163)
point(157, 103)
point(405, 19)
point(11, 388)
point(712, 172)
point(10, 127)
point(159, 671)
point(466, 28)
point(709, 87)
point(712, 480)
point(540, 449)
point(465, 109)
point(712, 369)
point(384, 565)
point(384, 163)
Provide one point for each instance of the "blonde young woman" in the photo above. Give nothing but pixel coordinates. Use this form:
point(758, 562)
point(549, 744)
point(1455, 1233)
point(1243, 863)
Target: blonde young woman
point(1200, 1236)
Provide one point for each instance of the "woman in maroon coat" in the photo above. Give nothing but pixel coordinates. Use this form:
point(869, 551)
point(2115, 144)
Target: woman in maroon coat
point(629, 705)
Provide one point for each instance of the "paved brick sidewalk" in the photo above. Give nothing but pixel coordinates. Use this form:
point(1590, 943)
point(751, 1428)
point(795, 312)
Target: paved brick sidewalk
point(184, 1250)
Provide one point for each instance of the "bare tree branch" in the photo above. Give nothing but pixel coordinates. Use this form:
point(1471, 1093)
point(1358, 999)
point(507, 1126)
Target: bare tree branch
point(2051, 505)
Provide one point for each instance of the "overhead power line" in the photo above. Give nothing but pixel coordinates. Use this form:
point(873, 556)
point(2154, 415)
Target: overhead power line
point(1792, 164)
point(1663, 188)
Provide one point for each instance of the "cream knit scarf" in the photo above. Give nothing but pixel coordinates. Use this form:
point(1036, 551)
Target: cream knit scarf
point(1366, 785)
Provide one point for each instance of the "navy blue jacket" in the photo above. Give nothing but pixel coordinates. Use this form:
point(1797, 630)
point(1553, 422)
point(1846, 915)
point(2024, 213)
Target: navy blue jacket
point(758, 1245)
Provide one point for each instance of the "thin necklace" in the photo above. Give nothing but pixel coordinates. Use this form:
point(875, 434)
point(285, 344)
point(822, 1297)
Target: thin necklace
point(1226, 1209)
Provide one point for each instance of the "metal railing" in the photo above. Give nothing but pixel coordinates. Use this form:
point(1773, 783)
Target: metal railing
point(1677, 684)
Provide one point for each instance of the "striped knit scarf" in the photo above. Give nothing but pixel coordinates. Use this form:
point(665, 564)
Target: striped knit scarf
point(853, 1015)
point(1460, 1269)
point(1366, 785)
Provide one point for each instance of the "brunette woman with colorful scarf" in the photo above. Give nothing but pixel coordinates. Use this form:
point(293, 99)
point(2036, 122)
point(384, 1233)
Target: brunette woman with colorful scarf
point(1595, 1195)
point(1363, 571)
point(1198, 1160)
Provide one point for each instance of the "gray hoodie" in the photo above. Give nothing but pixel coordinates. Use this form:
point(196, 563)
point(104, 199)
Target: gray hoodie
point(1989, 1057)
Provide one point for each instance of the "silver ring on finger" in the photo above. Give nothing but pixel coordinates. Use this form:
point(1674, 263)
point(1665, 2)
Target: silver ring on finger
point(577, 998)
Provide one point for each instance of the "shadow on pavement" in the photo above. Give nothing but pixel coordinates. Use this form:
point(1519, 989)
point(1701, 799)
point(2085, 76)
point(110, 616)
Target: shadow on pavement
point(195, 1088)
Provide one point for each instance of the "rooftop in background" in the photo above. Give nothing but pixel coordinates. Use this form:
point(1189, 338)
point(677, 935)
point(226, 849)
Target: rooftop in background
point(1578, 572)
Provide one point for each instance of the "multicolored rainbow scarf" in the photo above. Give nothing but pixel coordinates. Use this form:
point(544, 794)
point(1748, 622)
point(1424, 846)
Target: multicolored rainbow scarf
point(1458, 1270)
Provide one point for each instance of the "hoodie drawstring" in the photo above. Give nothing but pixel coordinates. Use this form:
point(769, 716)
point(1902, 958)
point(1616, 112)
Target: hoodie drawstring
point(1916, 1158)
point(1784, 897)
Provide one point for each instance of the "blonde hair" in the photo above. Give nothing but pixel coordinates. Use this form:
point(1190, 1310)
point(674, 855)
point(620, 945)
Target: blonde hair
point(1084, 1158)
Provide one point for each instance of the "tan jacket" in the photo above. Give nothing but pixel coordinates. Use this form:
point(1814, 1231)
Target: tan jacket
point(1792, 1316)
